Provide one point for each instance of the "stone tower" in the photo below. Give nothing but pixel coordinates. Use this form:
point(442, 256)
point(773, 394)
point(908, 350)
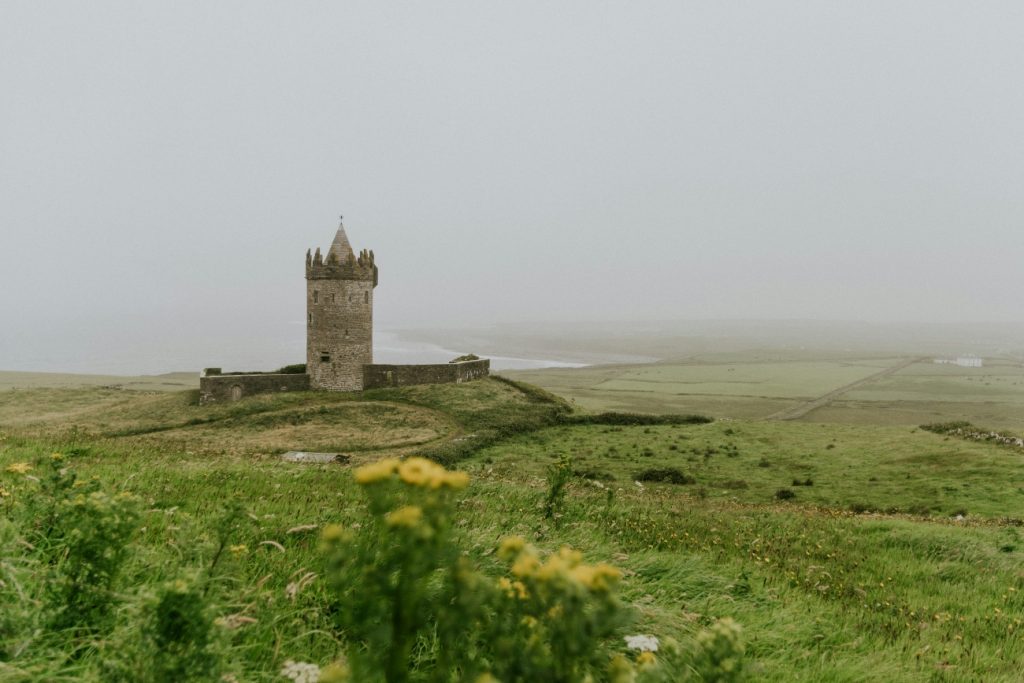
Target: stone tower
point(339, 315)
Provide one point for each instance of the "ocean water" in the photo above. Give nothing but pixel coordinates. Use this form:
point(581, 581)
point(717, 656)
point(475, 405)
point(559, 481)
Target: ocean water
point(140, 349)
point(390, 348)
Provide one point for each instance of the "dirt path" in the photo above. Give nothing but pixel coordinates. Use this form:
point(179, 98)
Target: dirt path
point(803, 409)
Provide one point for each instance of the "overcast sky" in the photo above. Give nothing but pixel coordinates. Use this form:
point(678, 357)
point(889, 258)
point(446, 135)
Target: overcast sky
point(165, 165)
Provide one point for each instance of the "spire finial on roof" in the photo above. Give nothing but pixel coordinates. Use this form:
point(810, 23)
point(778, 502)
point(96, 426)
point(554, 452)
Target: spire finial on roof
point(341, 247)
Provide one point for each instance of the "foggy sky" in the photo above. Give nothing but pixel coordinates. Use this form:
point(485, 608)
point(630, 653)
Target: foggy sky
point(165, 165)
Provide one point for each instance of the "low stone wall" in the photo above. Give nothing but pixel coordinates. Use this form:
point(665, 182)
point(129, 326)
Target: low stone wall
point(217, 388)
point(379, 376)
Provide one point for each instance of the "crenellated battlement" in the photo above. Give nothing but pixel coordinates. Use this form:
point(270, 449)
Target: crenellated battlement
point(362, 267)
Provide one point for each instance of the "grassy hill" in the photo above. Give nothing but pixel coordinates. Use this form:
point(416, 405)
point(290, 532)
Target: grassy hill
point(896, 556)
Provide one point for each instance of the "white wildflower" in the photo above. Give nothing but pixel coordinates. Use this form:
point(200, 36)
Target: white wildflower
point(301, 672)
point(642, 643)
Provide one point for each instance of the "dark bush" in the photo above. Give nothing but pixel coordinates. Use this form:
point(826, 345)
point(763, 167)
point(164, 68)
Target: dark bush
point(635, 419)
point(296, 369)
point(785, 494)
point(666, 475)
point(594, 474)
point(947, 427)
point(805, 482)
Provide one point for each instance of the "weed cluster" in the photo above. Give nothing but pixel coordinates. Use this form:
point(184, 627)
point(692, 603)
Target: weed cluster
point(414, 607)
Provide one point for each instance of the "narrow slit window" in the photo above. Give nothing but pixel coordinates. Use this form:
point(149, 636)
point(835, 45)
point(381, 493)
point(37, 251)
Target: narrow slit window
point(316, 296)
point(366, 297)
point(325, 357)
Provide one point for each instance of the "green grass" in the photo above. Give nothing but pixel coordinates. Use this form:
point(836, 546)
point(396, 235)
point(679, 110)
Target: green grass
point(759, 384)
point(852, 467)
point(908, 593)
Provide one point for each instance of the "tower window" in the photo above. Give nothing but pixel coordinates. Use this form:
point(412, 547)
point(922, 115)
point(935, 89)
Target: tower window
point(325, 357)
point(316, 296)
point(310, 317)
point(366, 297)
point(346, 334)
point(350, 298)
point(332, 298)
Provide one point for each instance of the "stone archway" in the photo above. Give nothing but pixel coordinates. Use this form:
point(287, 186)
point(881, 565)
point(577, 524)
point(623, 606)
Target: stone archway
point(236, 392)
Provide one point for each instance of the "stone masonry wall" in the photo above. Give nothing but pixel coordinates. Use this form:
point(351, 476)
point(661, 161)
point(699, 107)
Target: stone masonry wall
point(379, 376)
point(339, 336)
point(215, 388)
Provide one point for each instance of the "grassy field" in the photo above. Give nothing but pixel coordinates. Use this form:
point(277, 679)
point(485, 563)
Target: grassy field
point(756, 385)
point(173, 381)
point(897, 557)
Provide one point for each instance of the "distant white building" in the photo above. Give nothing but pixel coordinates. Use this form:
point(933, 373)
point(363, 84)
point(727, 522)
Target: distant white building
point(962, 361)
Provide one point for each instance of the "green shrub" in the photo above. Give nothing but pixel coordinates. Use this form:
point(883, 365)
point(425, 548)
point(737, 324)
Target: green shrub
point(91, 544)
point(170, 639)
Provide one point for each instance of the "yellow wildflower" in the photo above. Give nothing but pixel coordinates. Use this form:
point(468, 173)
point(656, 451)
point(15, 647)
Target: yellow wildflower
point(377, 471)
point(511, 547)
point(408, 516)
point(456, 480)
point(419, 471)
point(339, 672)
point(19, 468)
point(239, 549)
point(56, 457)
point(646, 660)
point(556, 566)
point(4, 492)
point(599, 578)
point(333, 533)
point(620, 670)
point(570, 556)
point(526, 564)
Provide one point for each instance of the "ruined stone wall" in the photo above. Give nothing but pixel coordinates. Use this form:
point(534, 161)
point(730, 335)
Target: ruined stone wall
point(339, 334)
point(217, 388)
point(379, 376)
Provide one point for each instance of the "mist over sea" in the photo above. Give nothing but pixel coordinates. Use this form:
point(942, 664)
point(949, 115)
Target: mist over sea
point(140, 350)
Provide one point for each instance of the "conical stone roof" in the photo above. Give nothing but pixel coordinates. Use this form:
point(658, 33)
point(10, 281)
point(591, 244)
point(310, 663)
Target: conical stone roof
point(341, 248)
